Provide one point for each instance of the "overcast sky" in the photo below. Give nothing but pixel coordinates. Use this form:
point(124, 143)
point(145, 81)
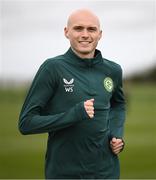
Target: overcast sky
point(32, 31)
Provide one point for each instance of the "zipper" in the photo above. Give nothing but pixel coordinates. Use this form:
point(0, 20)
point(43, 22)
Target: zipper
point(91, 89)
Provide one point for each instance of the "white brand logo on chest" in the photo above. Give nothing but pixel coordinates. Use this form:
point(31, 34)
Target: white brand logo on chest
point(68, 85)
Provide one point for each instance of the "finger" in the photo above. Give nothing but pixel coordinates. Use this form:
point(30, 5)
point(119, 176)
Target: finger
point(117, 149)
point(90, 101)
point(90, 112)
point(115, 146)
point(113, 140)
point(90, 108)
point(113, 143)
point(116, 141)
point(91, 115)
point(116, 152)
point(118, 145)
point(119, 141)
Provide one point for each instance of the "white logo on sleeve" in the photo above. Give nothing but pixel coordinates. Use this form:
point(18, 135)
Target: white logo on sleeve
point(68, 85)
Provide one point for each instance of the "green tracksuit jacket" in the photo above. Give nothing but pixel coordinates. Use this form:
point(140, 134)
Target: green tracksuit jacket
point(78, 147)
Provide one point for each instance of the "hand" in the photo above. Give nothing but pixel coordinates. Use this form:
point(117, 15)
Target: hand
point(116, 145)
point(89, 107)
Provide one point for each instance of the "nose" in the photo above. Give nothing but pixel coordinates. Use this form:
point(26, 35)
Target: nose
point(85, 33)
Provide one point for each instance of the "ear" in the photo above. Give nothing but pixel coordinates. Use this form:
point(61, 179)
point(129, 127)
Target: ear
point(100, 34)
point(66, 32)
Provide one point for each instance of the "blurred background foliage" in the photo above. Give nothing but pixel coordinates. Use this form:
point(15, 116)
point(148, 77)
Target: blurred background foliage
point(22, 157)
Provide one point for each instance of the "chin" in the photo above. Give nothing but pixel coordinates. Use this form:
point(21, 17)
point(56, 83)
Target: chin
point(85, 51)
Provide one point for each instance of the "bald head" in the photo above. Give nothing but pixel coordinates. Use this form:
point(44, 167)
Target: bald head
point(83, 15)
point(83, 32)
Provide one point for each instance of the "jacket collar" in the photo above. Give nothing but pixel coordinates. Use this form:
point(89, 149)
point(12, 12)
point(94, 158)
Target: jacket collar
point(73, 58)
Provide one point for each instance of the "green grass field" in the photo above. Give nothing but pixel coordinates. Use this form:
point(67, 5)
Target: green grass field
point(22, 157)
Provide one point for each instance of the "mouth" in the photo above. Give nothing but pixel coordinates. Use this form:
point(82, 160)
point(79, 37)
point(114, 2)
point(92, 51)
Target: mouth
point(84, 42)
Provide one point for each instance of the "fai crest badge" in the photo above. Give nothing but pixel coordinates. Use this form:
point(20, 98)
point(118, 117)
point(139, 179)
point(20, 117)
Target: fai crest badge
point(108, 84)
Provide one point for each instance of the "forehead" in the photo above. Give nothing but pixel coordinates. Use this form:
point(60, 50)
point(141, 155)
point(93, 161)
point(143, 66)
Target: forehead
point(83, 19)
point(84, 24)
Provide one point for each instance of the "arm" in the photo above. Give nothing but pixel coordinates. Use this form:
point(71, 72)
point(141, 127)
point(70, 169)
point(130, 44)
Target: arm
point(117, 110)
point(117, 117)
point(32, 121)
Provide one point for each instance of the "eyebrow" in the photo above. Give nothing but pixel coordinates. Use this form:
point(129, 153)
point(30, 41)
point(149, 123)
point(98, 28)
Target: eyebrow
point(82, 27)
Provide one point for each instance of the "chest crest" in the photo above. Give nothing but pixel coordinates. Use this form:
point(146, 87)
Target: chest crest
point(108, 84)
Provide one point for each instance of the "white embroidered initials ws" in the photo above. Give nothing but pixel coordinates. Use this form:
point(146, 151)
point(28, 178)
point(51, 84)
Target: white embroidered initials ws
point(68, 85)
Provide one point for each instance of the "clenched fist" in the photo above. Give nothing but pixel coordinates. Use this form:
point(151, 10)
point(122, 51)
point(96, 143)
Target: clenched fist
point(89, 107)
point(117, 145)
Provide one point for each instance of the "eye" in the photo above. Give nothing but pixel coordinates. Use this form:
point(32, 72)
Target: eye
point(78, 28)
point(92, 29)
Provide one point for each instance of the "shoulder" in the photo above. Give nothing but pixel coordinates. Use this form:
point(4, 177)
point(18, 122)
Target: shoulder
point(49, 66)
point(50, 63)
point(113, 70)
point(112, 65)
point(48, 69)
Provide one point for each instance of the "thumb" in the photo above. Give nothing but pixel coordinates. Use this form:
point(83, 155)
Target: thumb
point(114, 140)
point(119, 140)
point(92, 100)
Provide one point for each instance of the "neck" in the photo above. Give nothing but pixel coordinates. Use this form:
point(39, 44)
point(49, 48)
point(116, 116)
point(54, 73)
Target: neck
point(84, 56)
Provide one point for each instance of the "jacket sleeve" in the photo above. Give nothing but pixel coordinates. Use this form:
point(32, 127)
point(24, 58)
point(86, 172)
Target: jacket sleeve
point(31, 120)
point(117, 110)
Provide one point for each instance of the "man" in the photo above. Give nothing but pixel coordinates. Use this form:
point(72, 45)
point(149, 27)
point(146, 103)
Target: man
point(77, 98)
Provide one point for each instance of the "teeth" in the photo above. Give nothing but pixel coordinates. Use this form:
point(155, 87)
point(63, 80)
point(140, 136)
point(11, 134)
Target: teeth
point(84, 42)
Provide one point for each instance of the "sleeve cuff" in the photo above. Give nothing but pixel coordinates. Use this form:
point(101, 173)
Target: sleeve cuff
point(82, 114)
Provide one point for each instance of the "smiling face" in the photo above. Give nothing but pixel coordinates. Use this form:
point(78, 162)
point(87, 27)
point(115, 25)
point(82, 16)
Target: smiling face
point(83, 32)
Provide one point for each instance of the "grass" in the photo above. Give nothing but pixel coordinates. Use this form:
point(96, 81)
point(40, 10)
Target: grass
point(138, 160)
point(22, 157)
